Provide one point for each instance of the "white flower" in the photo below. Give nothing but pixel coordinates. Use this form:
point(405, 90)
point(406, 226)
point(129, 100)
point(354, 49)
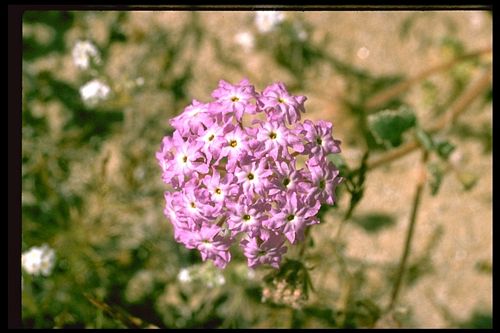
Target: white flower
point(83, 52)
point(38, 260)
point(302, 34)
point(245, 39)
point(139, 81)
point(363, 53)
point(266, 21)
point(220, 280)
point(94, 91)
point(184, 276)
point(250, 274)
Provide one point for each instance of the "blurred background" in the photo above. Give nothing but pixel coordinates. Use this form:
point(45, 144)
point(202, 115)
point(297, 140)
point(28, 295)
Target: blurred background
point(98, 91)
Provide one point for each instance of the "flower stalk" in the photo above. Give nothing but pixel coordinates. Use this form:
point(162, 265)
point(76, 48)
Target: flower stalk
point(409, 233)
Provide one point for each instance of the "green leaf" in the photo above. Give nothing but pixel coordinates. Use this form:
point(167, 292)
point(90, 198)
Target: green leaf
point(388, 126)
point(484, 266)
point(367, 312)
point(453, 44)
point(444, 149)
point(468, 179)
point(406, 25)
point(425, 139)
point(478, 319)
point(437, 172)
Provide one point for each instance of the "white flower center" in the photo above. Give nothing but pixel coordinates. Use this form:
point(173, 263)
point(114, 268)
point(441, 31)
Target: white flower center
point(207, 244)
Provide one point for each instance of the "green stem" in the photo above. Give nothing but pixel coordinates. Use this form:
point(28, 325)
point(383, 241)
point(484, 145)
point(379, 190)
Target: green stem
point(409, 238)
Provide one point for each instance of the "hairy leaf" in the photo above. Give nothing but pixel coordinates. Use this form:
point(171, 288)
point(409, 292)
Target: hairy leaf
point(388, 126)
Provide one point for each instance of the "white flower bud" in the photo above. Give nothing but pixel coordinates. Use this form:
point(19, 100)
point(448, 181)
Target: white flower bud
point(94, 91)
point(83, 52)
point(184, 276)
point(266, 21)
point(38, 260)
point(245, 39)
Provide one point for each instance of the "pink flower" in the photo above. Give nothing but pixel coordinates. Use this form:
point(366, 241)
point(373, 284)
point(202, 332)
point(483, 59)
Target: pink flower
point(247, 217)
point(253, 177)
point(279, 104)
point(196, 204)
point(286, 179)
point(219, 189)
point(212, 139)
point(267, 249)
point(236, 99)
point(236, 146)
point(325, 178)
point(164, 156)
point(212, 245)
point(277, 138)
point(186, 160)
point(194, 117)
point(319, 138)
point(173, 211)
point(292, 215)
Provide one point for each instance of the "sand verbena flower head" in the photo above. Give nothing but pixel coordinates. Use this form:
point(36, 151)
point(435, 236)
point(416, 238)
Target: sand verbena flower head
point(233, 165)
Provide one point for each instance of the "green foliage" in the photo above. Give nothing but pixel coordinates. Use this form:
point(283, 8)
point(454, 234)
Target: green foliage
point(484, 266)
point(292, 273)
point(478, 320)
point(441, 147)
point(444, 149)
point(436, 171)
point(293, 53)
point(355, 182)
point(425, 139)
point(468, 179)
point(374, 222)
point(54, 24)
point(388, 126)
point(364, 313)
point(454, 45)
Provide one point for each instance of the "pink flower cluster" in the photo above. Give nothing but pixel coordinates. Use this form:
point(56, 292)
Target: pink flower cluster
point(234, 165)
